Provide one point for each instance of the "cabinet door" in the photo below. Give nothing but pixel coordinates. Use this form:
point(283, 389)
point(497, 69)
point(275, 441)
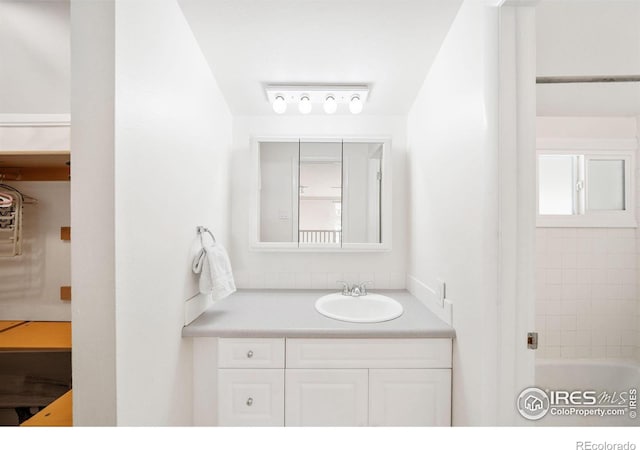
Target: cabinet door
point(410, 397)
point(251, 397)
point(326, 397)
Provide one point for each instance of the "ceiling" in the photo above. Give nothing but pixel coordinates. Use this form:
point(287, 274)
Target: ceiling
point(588, 38)
point(388, 44)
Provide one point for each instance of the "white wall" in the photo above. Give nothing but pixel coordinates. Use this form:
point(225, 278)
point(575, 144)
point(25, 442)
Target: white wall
point(35, 53)
point(315, 270)
point(516, 173)
point(93, 213)
point(453, 149)
point(173, 140)
point(586, 278)
point(588, 37)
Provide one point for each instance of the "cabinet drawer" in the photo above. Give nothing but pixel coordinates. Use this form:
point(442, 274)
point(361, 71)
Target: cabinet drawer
point(369, 353)
point(256, 353)
point(249, 397)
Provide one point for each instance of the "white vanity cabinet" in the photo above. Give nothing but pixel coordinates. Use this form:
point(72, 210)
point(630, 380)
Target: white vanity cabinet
point(323, 382)
point(379, 382)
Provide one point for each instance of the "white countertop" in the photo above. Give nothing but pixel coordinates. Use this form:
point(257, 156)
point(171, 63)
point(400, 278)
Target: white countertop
point(291, 313)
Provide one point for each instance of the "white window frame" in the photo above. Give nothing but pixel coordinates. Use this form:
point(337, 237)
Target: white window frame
point(614, 149)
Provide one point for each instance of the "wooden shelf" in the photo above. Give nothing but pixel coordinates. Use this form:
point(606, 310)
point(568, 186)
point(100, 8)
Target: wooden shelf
point(35, 165)
point(57, 414)
point(7, 324)
point(37, 336)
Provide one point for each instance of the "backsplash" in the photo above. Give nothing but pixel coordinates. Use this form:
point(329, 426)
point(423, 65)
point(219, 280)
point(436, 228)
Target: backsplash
point(586, 301)
point(316, 280)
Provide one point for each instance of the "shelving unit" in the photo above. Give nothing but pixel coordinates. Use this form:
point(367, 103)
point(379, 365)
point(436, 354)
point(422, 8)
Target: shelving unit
point(35, 165)
point(35, 356)
point(38, 165)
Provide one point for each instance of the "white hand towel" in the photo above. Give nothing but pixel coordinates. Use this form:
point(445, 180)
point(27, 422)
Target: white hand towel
point(214, 267)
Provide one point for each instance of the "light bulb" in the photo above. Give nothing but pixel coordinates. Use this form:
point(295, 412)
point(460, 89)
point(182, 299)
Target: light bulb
point(279, 105)
point(355, 105)
point(305, 105)
point(330, 104)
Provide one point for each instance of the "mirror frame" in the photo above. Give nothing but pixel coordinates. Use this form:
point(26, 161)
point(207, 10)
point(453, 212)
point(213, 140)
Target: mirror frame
point(385, 207)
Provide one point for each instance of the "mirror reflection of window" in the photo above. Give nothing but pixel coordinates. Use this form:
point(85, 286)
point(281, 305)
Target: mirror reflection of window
point(279, 191)
point(362, 175)
point(320, 200)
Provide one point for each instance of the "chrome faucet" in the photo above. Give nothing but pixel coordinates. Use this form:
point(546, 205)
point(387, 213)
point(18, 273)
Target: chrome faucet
point(355, 290)
point(363, 287)
point(346, 288)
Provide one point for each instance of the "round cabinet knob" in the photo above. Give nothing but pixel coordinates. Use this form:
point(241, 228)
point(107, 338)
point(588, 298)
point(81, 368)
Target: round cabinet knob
point(250, 354)
point(249, 401)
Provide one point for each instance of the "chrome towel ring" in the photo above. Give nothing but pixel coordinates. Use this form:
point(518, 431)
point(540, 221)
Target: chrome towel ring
point(201, 231)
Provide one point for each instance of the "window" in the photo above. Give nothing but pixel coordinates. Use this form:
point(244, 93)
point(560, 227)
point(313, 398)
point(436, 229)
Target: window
point(585, 188)
point(557, 178)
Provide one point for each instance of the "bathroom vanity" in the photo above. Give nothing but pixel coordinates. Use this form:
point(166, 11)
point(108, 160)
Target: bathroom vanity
point(268, 358)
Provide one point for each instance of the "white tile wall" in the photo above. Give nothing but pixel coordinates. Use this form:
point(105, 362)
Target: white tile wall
point(316, 280)
point(587, 302)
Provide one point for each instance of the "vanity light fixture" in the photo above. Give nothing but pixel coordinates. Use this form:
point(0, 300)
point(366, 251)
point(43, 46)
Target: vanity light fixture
point(279, 104)
point(330, 105)
point(333, 97)
point(304, 105)
point(355, 105)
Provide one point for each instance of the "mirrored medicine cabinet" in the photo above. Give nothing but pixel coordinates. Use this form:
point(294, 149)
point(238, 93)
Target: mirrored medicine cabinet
point(322, 194)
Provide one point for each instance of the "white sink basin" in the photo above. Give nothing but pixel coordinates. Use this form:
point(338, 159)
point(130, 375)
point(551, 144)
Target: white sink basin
point(365, 309)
